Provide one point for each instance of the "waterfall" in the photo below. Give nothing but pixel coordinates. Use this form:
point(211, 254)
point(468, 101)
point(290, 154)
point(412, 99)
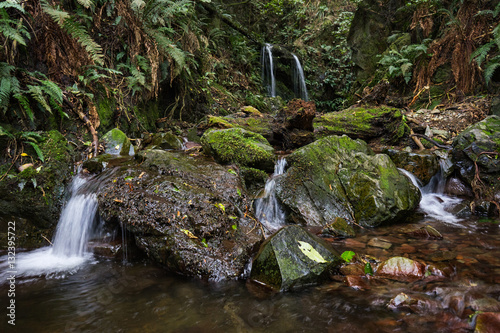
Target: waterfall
point(69, 248)
point(434, 203)
point(299, 82)
point(268, 70)
point(267, 208)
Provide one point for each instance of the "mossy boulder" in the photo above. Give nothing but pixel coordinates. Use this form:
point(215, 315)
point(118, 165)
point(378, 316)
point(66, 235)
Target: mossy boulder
point(185, 213)
point(238, 146)
point(116, 143)
point(363, 123)
point(163, 140)
point(479, 145)
point(258, 123)
point(34, 196)
point(293, 258)
point(340, 177)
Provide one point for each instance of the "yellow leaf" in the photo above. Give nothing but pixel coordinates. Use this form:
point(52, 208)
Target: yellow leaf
point(24, 154)
point(311, 252)
point(188, 233)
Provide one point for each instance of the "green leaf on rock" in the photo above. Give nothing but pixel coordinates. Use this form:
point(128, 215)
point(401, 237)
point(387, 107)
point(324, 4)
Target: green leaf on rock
point(368, 269)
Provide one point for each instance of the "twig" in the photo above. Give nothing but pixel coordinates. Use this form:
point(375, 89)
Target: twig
point(47, 240)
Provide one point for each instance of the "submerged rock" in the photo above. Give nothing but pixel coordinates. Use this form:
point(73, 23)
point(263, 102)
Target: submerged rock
point(236, 145)
point(340, 177)
point(401, 268)
point(185, 213)
point(293, 258)
point(487, 322)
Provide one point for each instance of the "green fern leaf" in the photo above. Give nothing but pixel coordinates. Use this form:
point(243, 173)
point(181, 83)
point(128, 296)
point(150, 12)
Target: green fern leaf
point(490, 69)
point(25, 104)
point(86, 3)
point(12, 33)
point(12, 4)
point(480, 53)
point(36, 93)
point(53, 90)
point(37, 150)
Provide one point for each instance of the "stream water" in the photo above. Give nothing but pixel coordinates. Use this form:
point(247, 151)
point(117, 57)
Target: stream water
point(107, 295)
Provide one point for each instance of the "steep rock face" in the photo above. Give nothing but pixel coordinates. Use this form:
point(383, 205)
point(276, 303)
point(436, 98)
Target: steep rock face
point(187, 214)
point(293, 258)
point(236, 145)
point(479, 145)
point(340, 177)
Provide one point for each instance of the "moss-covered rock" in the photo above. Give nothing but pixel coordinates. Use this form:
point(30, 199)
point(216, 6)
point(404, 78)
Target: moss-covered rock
point(293, 258)
point(423, 165)
point(363, 123)
point(236, 145)
point(187, 214)
point(340, 177)
point(261, 124)
point(479, 145)
point(166, 140)
point(117, 143)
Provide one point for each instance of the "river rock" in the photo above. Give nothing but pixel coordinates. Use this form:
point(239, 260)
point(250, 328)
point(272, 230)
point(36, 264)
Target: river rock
point(487, 322)
point(236, 145)
point(186, 213)
point(363, 123)
point(402, 269)
point(423, 165)
point(293, 126)
point(479, 145)
point(117, 143)
point(293, 258)
point(340, 177)
point(165, 140)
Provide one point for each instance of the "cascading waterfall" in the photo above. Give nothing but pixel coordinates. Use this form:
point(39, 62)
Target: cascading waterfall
point(267, 208)
point(434, 203)
point(299, 82)
point(268, 69)
point(69, 248)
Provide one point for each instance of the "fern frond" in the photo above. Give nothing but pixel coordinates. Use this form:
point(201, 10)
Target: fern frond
point(53, 90)
point(25, 105)
point(37, 93)
point(86, 3)
point(15, 34)
point(490, 69)
point(12, 4)
point(9, 85)
point(57, 15)
point(3, 132)
point(37, 150)
point(480, 53)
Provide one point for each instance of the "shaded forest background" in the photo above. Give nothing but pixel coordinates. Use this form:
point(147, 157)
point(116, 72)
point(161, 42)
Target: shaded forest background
point(83, 67)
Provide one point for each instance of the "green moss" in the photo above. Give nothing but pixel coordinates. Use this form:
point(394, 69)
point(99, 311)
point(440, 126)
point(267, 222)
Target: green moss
point(105, 109)
point(218, 122)
point(236, 145)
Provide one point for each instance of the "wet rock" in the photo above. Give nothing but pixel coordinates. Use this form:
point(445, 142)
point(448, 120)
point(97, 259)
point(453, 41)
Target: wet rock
point(415, 303)
point(456, 187)
point(238, 146)
point(363, 123)
point(356, 282)
point(293, 126)
point(166, 140)
point(338, 228)
point(257, 123)
point(380, 243)
point(401, 268)
point(425, 232)
point(93, 165)
point(487, 322)
point(293, 258)
point(117, 143)
point(423, 165)
point(340, 177)
point(185, 213)
point(483, 304)
point(479, 145)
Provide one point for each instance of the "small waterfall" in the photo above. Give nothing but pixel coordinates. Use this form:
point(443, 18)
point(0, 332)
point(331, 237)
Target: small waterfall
point(268, 69)
point(434, 203)
point(267, 208)
point(69, 249)
point(299, 81)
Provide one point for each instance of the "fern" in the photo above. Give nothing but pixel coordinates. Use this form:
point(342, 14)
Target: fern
point(490, 69)
point(37, 94)
point(9, 85)
point(53, 90)
point(76, 30)
point(25, 105)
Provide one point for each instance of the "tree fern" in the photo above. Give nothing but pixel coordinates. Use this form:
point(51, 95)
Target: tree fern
point(76, 30)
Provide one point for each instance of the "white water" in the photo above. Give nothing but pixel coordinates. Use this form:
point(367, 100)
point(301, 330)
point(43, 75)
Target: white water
point(267, 208)
point(434, 203)
point(268, 70)
point(299, 82)
point(69, 249)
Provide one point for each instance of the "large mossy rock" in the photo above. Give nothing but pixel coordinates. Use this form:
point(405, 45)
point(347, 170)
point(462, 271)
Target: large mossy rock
point(363, 123)
point(238, 146)
point(293, 258)
point(259, 123)
point(185, 213)
point(116, 143)
point(340, 177)
point(479, 145)
point(33, 197)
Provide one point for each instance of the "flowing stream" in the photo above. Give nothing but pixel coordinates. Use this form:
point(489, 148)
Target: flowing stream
point(268, 70)
point(299, 81)
point(267, 208)
point(69, 247)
